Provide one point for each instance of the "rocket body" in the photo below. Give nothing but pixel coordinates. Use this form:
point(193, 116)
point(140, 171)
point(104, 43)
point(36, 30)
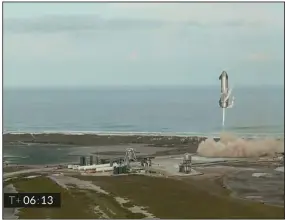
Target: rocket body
point(224, 82)
point(225, 91)
point(225, 94)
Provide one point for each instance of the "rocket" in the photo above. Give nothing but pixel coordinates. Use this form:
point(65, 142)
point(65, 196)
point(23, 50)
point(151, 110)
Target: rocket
point(225, 101)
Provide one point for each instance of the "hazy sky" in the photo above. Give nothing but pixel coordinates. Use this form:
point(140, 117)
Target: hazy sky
point(90, 44)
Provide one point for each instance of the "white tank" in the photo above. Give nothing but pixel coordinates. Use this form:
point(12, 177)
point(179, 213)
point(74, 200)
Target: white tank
point(102, 165)
point(187, 157)
point(83, 167)
point(91, 167)
point(104, 169)
point(75, 167)
point(115, 164)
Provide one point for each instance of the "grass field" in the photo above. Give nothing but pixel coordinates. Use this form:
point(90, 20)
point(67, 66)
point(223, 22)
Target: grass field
point(75, 203)
point(171, 198)
point(163, 197)
point(13, 169)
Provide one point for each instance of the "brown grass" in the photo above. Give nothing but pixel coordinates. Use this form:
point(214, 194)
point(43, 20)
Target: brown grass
point(14, 169)
point(75, 203)
point(172, 198)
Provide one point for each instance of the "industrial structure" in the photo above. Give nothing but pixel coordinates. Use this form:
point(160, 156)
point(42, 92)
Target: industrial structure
point(126, 164)
point(82, 161)
point(185, 166)
point(130, 156)
point(146, 162)
point(89, 160)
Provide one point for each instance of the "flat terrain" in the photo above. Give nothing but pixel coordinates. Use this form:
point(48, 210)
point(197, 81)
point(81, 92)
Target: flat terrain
point(76, 203)
point(176, 145)
point(26, 148)
point(10, 169)
point(172, 198)
point(99, 197)
point(140, 196)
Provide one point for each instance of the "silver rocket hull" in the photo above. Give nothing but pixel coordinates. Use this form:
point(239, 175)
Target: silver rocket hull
point(225, 91)
point(224, 101)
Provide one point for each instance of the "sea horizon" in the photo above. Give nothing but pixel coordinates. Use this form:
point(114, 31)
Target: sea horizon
point(167, 110)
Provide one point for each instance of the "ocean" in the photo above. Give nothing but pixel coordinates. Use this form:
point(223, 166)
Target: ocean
point(168, 110)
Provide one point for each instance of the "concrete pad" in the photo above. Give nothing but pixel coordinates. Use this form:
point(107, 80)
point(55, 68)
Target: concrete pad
point(170, 167)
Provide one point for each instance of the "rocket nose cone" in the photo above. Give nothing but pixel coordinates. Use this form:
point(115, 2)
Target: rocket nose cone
point(223, 74)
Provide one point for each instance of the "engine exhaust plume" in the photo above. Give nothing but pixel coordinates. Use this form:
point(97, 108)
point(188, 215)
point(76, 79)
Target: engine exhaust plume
point(231, 146)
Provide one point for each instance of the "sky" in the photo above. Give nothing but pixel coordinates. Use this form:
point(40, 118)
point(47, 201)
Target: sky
point(137, 44)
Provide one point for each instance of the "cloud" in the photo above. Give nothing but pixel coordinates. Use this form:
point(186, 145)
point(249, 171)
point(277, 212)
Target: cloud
point(133, 56)
point(145, 39)
point(259, 57)
point(234, 23)
point(205, 12)
point(34, 47)
point(83, 22)
point(67, 23)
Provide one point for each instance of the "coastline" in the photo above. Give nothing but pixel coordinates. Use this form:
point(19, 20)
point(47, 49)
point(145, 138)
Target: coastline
point(213, 134)
point(71, 146)
point(101, 139)
point(114, 138)
point(108, 145)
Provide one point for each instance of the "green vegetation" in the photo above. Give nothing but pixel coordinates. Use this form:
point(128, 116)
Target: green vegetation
point(185, 198)
point(163, 197)
point(10, 169)
point(76, 204)
point(20, 177)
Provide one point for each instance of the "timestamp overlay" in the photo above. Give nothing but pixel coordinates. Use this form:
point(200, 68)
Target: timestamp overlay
point(32, 200)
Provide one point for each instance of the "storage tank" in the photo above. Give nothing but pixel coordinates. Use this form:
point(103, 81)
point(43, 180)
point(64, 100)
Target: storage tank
point(124, 169)
point(75, 167)
point(181, 168)
point(187, 156)
point(104, 169)
point(81, 167)
point(89, 167)
point(116, 170)
point(102, 165)
point(82, 161)
point(91, 160)
point(96, 160)
point(120, 169)
point(103, 161)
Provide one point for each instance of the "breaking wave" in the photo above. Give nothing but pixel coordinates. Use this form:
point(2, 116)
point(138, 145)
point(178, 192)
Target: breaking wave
point(241, 133)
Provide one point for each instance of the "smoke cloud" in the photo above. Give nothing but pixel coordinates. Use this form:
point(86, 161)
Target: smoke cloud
point(231, 146)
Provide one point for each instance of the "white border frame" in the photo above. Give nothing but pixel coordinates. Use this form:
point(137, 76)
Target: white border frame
point(54, 1)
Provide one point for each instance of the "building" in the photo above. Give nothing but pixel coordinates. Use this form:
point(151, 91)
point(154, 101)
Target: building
point(91, 162)
point(82, 161)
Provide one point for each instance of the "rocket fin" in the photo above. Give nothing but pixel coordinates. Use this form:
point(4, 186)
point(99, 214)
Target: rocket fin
point(232, 102)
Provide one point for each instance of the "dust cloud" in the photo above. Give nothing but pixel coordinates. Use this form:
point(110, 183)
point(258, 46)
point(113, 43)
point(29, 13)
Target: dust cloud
point(232, 146)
